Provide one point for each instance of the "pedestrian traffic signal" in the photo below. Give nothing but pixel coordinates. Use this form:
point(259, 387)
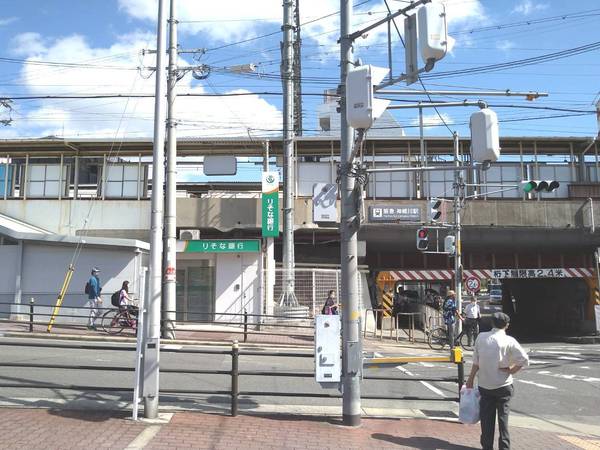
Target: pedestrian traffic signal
point(422, 239)
point(435, 211)
point(450, 245)
point(539, 186)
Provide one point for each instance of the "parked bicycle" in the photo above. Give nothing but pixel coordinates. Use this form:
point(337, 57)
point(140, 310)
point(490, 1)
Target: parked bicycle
point(115, 320)
point(438, 339)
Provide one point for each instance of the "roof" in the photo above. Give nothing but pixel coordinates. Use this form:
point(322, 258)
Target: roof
point(22, 231)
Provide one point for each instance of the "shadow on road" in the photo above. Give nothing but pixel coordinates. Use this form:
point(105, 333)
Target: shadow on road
point(420, 442)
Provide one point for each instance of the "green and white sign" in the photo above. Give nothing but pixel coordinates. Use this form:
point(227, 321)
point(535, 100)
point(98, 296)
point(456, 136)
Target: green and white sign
point(270, 204)
point(219, 246)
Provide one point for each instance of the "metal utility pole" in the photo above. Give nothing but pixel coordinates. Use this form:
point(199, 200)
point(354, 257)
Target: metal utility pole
point(458, 181)
point(351, 345)
point(170, 241)
point(288, 297)
point(152, 339)
point(297, 72)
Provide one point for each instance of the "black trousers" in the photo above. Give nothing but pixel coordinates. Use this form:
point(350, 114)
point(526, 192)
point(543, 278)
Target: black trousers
point(495, 401)
point(471, 329)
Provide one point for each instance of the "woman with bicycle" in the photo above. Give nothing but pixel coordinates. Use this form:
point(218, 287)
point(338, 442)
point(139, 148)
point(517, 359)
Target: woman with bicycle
point(126, 304)
point(450, 314)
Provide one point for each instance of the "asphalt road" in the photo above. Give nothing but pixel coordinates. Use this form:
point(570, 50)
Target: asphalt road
point(562, 383)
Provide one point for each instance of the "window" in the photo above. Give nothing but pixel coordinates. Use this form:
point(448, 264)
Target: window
point(45, 180)
point(506, 174)
point(122, 181)
point(3, 180)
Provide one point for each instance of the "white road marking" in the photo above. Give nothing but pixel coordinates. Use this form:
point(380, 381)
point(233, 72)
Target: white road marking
point(570, 358)
point(426, 364)
point(544, 386)
point(535, 361)
point(144, 438)
point(432, 388)
point(570, 377)
point(172, 347)
point(583, 367)
point(424, 383)
point(557, 351)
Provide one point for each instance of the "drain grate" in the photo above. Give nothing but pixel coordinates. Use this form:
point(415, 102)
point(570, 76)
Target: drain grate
point(438, 413)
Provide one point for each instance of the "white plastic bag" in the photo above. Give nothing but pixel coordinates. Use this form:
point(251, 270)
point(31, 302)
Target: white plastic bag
point(468, 410)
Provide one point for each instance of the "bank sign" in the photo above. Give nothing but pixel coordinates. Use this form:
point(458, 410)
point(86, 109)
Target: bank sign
point(270, 204)
point(219, 246)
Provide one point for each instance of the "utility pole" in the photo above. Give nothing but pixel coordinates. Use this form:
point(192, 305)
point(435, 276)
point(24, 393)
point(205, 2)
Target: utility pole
point(458, 186)
point(288, 297)
point(152, 340)
point(351, 346)
point(170, 240)
point(297, 71)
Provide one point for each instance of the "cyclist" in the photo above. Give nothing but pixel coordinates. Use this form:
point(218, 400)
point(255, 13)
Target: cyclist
point(450, 314)
point(125, 304)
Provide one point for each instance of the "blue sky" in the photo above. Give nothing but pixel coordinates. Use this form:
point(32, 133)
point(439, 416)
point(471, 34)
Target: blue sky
point(102, 41)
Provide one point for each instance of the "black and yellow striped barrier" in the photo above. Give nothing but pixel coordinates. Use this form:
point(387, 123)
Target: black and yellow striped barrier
point(387, 301)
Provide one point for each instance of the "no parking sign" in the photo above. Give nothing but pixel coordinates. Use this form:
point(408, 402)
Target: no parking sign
point(473, 284)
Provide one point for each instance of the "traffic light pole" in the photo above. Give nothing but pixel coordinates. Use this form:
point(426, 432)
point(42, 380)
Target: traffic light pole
point(458, 243)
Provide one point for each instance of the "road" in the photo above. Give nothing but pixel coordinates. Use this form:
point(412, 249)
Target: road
point(562, 384)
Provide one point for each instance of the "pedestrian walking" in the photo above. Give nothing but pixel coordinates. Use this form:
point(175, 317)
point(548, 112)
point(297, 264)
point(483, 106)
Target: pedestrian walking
point(472, 316)
point(93, 290)
point(496, 358)
point(331, 306)
point(450, 313)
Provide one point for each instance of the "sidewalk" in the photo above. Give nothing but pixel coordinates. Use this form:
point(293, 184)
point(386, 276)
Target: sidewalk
point(209, 335)
point(50, 429)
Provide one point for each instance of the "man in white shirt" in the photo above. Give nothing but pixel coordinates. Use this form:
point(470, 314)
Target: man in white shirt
point(496, 358)
point(472, 316)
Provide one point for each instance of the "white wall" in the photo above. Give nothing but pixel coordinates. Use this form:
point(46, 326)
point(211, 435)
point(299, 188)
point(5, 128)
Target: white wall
point(45, 267)
point(235, 290)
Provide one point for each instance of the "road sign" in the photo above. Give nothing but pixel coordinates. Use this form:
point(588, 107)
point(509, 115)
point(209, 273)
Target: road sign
point(473, 284)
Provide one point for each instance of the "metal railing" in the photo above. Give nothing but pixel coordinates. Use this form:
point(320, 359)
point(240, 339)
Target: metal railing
point(234, 373)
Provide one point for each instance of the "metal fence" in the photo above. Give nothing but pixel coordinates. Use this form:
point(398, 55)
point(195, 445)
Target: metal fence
point(234, 373)
point(313, 285)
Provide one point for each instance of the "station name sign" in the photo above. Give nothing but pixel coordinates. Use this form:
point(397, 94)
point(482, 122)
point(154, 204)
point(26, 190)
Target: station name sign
point(394, 213)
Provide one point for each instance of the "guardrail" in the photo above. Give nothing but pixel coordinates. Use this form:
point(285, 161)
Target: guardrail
point(394, 324)
point(234, 373)
point(246, 325)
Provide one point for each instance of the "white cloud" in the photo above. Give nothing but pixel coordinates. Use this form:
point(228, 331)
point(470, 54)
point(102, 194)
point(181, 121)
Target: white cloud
point(433, 120)
point(109, 73)
point(526, 7)
point(7, 21)
point(505, 45)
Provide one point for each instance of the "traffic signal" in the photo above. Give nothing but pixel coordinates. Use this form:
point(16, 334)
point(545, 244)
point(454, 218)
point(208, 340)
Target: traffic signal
point(435, 210)
point(422, 239)
point(450, 245)
point(539, 185)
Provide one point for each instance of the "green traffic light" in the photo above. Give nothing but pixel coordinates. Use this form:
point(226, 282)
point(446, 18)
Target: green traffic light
point(528, 186)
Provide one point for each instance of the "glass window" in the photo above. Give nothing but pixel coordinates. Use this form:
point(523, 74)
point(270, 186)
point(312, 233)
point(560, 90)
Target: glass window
point(3, 180)
point(122, 181)
point(44, 180)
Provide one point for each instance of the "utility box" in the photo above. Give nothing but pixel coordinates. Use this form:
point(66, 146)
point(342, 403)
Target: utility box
point(362, 108)
point(433, 32)
point(328, 362)
point(485, 139)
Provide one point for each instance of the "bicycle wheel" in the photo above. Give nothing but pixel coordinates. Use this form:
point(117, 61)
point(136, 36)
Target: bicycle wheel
point(112, 322)
point(464, 341)
point(438, 339)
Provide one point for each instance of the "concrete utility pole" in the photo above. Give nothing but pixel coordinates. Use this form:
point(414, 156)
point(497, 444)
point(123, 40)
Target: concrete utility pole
point(297, 71)
point(351, 346)
point(457, 242)
point(170, 241)
point(288, 297)
point(152, 340)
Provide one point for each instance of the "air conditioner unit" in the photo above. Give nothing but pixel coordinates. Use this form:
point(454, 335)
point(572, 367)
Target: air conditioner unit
point(189, 235)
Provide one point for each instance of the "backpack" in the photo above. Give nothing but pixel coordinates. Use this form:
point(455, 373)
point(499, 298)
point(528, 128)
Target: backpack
point(88, 288)
point(115, 298)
